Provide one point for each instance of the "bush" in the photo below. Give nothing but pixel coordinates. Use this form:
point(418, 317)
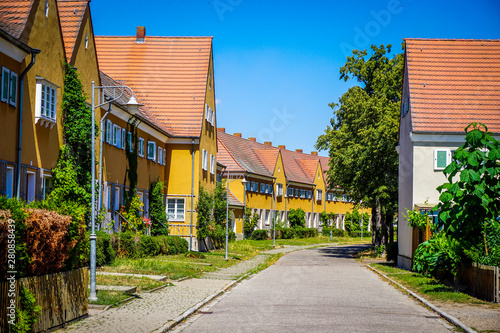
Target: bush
point(104, 251)
point(306, 232)
point(149, 246)
point(297, 218)
point(436, 256)
point(392, 251)
point(259, 234)
point(285, 233)
point(231, 236)
point(357, 233)
point(335, 232)
point(129, 245)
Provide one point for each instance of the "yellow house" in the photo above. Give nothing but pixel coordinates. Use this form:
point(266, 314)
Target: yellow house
point(173, 78)
point(276, 180)
point(31, 131)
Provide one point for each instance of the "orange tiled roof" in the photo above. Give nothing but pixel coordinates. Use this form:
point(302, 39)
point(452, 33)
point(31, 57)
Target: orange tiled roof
point(14, 15)
point(242, 155)
point(233, 201)
point(71, 15)
point(169, 75)
point(144, 112)
point(453, 83)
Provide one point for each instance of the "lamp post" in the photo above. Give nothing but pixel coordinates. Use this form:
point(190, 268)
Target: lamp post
point(244, 182)
point(132, 108)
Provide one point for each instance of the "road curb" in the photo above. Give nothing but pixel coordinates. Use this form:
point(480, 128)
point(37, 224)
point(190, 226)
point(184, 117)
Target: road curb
point(434, 308)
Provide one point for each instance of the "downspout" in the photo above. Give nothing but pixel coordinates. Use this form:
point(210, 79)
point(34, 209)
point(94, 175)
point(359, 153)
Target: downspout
point(192, 199)
point(34, 52)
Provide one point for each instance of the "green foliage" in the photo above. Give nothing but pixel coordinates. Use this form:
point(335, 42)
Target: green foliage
point(157, 209)
point(437, 256)
point(416, 219)
point(335, 232)
point(211, 208)
point(470, 201)
point(285, 233)
point(259, 234)
point(105, 253)
point(301, 232)
point(131, 245)
point(250, 222)
point(132, 159)
point(392, 251)
point(297, 218)
point(133, 215)
point(353, 223)
point(364, 132)
point(27, 314)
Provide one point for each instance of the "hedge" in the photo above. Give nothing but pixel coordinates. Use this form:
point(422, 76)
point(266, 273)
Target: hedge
point(285, 233)
point(259, 234)
point(335, 232)
point(305, 232)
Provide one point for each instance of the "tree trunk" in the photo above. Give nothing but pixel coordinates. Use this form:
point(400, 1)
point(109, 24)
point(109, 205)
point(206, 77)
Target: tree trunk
point(377, 224)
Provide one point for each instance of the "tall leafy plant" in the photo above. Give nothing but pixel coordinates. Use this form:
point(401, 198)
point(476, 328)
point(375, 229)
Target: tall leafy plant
point(131, 149)
point(297, 218)
point(157, 209)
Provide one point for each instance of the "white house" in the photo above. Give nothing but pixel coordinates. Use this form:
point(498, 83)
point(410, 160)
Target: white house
point(447, 84)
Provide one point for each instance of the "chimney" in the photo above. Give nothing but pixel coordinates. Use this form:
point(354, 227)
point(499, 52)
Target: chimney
point(268, 143)
point(281, 147)
point(238, 135)
point(141, 34)
point(314, 153)
point(253, 139)
point(298, 150)
point(221, 129)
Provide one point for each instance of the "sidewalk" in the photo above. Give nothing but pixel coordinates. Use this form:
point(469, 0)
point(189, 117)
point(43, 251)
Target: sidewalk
point(152, 311)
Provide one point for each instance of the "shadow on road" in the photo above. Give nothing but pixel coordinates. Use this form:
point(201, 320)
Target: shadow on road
point(343, 251)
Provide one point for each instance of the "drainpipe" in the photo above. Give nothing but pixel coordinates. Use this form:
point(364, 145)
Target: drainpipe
point(192, 199)
point(34, 52)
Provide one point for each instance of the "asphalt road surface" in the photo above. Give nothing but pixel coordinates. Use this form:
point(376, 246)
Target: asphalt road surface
point(317, 290)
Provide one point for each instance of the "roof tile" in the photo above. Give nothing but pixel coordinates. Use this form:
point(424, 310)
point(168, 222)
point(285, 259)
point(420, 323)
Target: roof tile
point(71, 15)
point(14, 15)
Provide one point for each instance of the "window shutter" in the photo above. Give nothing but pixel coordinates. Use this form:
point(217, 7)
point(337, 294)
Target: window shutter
point(440, 159)
point(13, 89)
point(5, 84)
point(123, 138)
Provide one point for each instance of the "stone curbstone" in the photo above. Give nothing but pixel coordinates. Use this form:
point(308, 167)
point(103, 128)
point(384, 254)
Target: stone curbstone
point(434, 308)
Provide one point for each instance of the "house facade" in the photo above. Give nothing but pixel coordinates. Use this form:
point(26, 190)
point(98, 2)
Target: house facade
point(447, 85)
point(272, 180)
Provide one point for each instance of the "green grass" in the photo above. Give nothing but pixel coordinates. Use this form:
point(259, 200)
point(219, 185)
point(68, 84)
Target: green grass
point(430, 288)
point(142, 284)
point(106, 297)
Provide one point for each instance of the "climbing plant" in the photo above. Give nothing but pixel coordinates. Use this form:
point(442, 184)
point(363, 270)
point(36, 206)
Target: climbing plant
point(157, 209)
point(131, 148)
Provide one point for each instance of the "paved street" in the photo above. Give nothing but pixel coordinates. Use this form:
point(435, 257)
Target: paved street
point(316, 290)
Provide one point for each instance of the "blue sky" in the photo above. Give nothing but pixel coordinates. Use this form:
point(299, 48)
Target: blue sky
point(277, 62)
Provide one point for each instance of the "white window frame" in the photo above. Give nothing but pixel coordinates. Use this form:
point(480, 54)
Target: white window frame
point(30, 186)
point(175, 216)
point(44, 186)
point(140, 148)
point(212, 164)
point(109, 131)
point(45, 111)
point(114, 141)
point(204, 160)
point(124, 137)
point(160, 156)
point(279, 189)
point(10, 90)
point(448, 158)
point(319, 195)
point(153, 144)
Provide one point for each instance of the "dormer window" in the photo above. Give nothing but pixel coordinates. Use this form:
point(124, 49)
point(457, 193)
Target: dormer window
point(46, 102)
point(86, 41)
point(46, 8)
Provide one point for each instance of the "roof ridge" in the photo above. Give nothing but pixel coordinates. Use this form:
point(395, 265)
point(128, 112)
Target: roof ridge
point(148, 36)
point(454, 39)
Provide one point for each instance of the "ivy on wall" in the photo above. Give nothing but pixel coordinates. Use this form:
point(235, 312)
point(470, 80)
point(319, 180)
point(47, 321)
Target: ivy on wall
point(157, 209)
point(131, 149)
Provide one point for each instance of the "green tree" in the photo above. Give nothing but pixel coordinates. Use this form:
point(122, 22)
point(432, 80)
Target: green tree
point(470, 200)
point(157, 209)
point(131, 153)
point(220, 204)
point(364, 132)
point(297, 218)
point(250, 221)
point(211, 209)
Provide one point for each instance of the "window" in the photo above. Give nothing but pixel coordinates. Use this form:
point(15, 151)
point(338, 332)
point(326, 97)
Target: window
point(108, 206)
point(9, 87)
point(279, 190)
point(46, 102)
point(309, 194)
point(123, 138)
point(159, 159)
point(117, 198)
point(86, 41)
point(46, 8)
point(109, 127)
point(204, 160)
point(152, 150)
point(175, 209)
point(405, 105)
point(319, 195)
point(48, 185)
point(212, 164)
point(164, 157)
point(262, 188)
point(115, 139)
point(296, 192)
point(9, 183)
point(289, 192)
point(248, 186)
point(441, 159)
point(140, 148)
point(30, 186)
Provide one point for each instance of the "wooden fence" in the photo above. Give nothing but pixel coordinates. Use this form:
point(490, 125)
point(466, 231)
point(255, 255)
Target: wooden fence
point(482, 281)
point(62, 297)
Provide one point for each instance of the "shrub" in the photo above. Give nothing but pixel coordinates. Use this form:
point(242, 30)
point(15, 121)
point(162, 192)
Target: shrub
point(357, 233)
point(157, 210)
point(335, 232)
point(436, 256)
point(306, 232)
point(259, 234)
point(104, 251)
point(231, 236)
point(285, 233)
point(250, 222)
point(27, 314)
point(297, 218)
point(148, 246)
point(127, 244)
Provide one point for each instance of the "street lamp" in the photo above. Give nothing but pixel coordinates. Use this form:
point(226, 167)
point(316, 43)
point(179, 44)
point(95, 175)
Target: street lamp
point(244, 182)
point(132, 108)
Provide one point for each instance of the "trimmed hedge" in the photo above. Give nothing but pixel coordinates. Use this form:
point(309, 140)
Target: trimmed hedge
point(285, 233)
point(259, 234)
point(357, 233)
point(335, 232)
point(305, 232)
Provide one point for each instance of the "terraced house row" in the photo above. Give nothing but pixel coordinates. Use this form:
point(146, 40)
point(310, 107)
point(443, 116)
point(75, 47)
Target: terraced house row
point(172, 77)
point(273, 180)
